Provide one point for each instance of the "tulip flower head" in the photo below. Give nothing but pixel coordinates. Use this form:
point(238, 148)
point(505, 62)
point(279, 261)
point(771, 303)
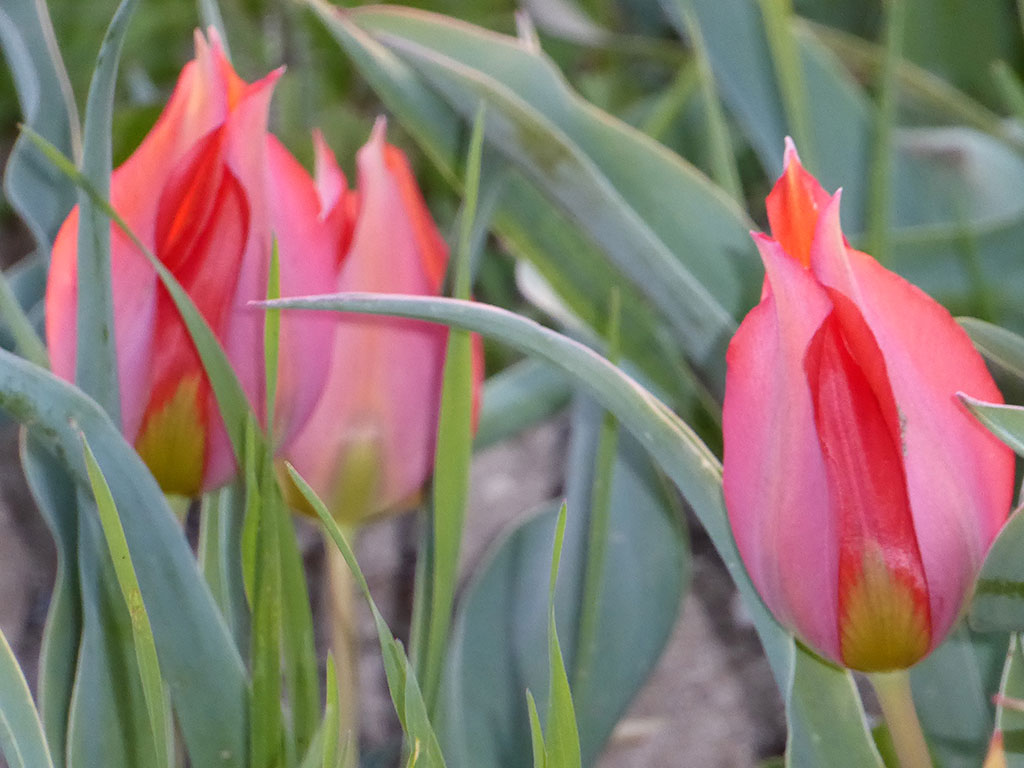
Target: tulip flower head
point(861, 493)
point(369, 446)
point(197, 193)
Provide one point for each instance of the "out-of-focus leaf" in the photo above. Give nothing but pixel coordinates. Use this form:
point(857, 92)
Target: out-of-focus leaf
point(96, 353)
point(518, 397)
point(998, 604)
point(22, 741)
point(54, 494)
point(34, 188)
point(959, 727)
point(192, 642)
point(590, 163)
point(1010, 719)
point(825, 719)
point(998, 345)
point(585, 160)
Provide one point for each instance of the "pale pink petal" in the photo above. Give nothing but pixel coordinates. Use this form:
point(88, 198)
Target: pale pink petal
point(775, 482)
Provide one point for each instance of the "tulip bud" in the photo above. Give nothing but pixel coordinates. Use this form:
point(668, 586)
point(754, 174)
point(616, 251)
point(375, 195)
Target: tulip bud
point(198, 193)
point(862, 495)
point(369, 446)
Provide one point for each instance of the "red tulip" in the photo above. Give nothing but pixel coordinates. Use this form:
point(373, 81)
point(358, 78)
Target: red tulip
point(369, 445)
point(201, 193)
point(862, 495)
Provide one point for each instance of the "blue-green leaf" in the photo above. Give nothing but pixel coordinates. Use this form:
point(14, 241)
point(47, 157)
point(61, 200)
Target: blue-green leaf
point(21, 733)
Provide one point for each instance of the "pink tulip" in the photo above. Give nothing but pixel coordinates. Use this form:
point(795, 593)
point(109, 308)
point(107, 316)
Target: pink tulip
point(369, 445)
point(862, 495)
point(202, 194)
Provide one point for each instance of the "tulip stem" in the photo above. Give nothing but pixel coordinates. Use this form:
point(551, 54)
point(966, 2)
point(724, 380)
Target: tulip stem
point(341, 611)
point(897, 702)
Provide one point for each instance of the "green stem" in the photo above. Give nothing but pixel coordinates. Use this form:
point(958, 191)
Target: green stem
point(341, 611)
point(881, 155)
point(897, 702)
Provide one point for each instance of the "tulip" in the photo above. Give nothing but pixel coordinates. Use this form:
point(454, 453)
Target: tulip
point(369, 445)
point(861, 494)
point(201, 193)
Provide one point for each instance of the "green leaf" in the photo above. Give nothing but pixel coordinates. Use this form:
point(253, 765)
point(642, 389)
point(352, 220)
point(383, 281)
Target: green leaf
point(518, 397)
point(562, 741)
point(685, 258)
point(40, 195)
point(671, 443)
point(1004, 421)
point(141, 631)
point(405, 692)
point(191, 639)
point(540, 758)
point(998, 603)
point(96, 352)
point(998, 345)
point(1010, 718)
point(21, 733)
point(609, 177)
point(54, 494)
point(959, 727)
point(825, 720)
point(454, 443)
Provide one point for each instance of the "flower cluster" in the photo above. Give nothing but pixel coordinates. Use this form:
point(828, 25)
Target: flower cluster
point(209, 191)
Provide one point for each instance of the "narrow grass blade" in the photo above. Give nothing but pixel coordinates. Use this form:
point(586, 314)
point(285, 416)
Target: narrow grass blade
point(405, 692)
point(540, 758)
point(142, 632)
point(562, 741)
point(454, 443)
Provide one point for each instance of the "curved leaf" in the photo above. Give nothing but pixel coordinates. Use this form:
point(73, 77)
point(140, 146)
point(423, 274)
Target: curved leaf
point(35, 190)
point(671, 443)
point(21, 734)
point(193, 644)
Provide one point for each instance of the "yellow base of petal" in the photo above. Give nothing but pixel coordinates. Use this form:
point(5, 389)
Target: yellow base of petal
point(884, 626)
point(172, 441)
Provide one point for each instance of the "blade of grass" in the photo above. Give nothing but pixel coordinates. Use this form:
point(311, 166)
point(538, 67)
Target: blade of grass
point(454, 442)
point(600, 511)
point(789, 73)
point(562, 741)
point(142, 632)
point(405, 693)
point(716, 130)
point(879, 186)
point(540, 758)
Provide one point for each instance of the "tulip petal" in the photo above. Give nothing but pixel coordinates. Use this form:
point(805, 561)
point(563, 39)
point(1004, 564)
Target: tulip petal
point(883, 594)
point(794, 205)
point(774, 476)
point(959, 477)
point(308, 266)
point(380, 403)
